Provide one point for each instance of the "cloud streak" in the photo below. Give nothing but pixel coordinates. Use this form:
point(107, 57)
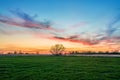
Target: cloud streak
point(28, 21)
point(111, 27)
point(77, 39)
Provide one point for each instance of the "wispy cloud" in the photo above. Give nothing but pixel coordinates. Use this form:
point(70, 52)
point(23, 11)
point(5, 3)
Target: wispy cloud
point(77, 25)
point(28, 21)
point(77, 39)
point(111, 27)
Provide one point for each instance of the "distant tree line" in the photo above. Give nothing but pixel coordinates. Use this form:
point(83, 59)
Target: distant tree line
point(91, 52)
point(62, 53)
point(17, 52)
point(59, 50)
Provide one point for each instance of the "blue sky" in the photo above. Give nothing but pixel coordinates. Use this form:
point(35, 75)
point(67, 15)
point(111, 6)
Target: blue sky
point(86, 18)
point(64, 11)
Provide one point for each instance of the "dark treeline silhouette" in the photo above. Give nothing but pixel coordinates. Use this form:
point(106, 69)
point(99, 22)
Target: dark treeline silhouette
point(59, 50)
point(67, 53)
point(91, 52)
point(15, 52)
point(20, 52)
point(71, 53)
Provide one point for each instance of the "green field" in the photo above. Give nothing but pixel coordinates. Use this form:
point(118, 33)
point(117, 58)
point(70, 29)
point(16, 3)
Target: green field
point(59, 68)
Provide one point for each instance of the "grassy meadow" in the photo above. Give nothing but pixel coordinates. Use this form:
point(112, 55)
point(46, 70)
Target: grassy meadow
point(59, 68)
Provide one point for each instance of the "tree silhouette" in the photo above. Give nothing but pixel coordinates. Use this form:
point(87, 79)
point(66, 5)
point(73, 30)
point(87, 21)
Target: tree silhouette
point(57, 49)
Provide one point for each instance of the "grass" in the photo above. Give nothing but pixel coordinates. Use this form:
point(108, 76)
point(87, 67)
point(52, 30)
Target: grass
point(59, 68)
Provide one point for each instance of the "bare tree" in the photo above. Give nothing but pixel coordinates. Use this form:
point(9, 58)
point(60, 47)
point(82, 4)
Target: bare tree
point(57, 49)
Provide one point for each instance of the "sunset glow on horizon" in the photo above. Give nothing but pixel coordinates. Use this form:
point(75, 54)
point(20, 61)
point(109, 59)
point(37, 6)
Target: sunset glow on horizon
point(33, 26)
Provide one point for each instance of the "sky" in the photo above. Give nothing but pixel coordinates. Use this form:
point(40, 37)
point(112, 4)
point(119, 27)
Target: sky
point(82, 25)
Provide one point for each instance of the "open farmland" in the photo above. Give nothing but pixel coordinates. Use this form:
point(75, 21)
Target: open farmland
point(59, 68)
